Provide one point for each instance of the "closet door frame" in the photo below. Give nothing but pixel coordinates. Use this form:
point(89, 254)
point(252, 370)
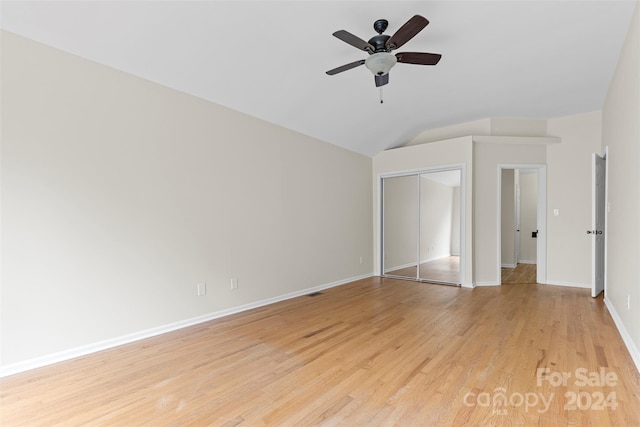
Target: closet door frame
point(463, 209)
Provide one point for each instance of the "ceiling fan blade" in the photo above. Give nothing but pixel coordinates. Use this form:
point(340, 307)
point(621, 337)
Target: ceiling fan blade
point(381, 80)
point(418, 58)
point(355, 41)
point(405, 33)
point(345, 67)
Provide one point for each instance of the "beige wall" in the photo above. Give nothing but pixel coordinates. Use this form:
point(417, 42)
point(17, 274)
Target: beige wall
point(120, 195)
point(621, 133)
point(569, 191)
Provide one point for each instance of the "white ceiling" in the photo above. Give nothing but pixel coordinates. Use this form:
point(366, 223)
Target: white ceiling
point(509, 58)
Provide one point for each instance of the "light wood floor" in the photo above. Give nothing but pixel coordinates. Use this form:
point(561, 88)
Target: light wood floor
point(441, 270)
point(523, 273)
point(375, 352)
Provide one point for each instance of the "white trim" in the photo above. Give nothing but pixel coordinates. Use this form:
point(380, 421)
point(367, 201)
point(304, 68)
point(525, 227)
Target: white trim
point(379, 269)
point(84, 350)
point(528, 140)
point(568, 284)
point(626, 338)
point(479, 284)
point(606, 216)
point(508, 265)
point(541, 243)
point(541, 239)
point(526, 261)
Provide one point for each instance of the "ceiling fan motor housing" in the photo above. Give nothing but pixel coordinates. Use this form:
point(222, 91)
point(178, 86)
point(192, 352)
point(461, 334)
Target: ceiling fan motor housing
point(379, 43)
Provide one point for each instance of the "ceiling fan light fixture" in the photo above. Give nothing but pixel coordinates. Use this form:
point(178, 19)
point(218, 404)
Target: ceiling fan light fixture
point(380, 63)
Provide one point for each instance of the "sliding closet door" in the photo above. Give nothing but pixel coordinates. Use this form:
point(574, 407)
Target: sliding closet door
point(400, 226)
point(439, 228)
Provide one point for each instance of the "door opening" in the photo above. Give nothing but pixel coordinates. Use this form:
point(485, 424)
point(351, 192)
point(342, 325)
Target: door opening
point(522, 223)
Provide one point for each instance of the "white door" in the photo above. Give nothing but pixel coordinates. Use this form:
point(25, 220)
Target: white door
point(517, 258)
point(597, 224)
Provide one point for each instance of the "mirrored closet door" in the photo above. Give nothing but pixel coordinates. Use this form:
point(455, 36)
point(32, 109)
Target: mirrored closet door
point(400, 225)
point(421, 226)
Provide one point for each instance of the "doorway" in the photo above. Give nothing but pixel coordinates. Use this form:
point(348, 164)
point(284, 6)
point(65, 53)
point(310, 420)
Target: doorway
point(421, 226)
point(522, 223)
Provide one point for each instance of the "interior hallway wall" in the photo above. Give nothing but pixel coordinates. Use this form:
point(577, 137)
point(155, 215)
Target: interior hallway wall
point(508, 219)
point(528, 182)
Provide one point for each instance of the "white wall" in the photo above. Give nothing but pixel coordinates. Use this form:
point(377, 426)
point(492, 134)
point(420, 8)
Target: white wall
point(495, 126)
point(477, 127)
point(120, 195)
point(569, 191)
point(621, 133)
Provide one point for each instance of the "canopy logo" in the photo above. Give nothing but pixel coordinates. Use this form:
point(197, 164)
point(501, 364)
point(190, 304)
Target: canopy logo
point(595, 400)
point(500, 401)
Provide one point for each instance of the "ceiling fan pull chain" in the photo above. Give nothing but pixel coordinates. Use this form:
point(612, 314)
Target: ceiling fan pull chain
point(381, 101)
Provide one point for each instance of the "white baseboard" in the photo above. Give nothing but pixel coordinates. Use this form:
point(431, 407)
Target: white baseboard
point(569, 284)
point(398, 267)
point(84, 350)
point(628, 341)
point(509, 265)
point(486, 284)
point(526, 261)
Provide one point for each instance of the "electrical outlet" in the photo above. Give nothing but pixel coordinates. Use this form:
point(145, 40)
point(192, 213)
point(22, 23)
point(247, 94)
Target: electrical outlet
point(201, 289)
point(234, 283)
point(629, 302)
point(360, 260)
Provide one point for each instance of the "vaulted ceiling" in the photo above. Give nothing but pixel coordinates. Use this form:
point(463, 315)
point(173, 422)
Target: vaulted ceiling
point(509, 58)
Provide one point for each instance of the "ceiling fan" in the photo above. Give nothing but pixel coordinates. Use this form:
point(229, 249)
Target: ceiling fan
point(379, 48)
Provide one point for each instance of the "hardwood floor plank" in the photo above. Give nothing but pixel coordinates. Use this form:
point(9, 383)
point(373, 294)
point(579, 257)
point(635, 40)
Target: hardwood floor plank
point(372, 352)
